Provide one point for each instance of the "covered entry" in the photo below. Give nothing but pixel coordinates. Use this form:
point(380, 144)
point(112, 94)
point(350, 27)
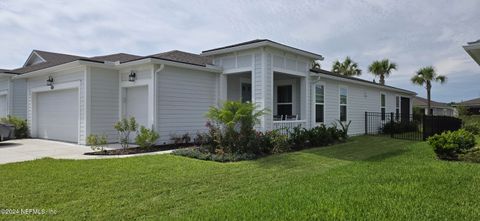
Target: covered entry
point(56, 114)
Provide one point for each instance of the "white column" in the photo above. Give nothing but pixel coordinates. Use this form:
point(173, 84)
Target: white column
point(303, 100)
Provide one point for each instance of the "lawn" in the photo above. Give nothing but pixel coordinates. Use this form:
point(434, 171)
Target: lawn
point(371, 178)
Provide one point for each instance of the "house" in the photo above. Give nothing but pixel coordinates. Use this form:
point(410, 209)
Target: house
point(69, 97)
point(472, 106)
point(473, 49)
point(436, 108)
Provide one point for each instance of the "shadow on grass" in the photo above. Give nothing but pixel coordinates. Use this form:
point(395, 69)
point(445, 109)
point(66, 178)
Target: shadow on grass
point(363, 148)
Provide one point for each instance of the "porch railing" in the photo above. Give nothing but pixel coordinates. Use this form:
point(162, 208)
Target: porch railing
point(284, 126)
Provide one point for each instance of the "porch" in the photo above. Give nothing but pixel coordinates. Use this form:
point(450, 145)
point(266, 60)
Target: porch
point(286, 101)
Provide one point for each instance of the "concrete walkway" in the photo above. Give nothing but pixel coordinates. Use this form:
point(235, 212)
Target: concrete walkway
point(31, 149)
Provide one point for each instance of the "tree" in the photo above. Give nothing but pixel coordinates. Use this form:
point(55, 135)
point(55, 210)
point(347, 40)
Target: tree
point(424, 77)
point(347, 68)
point(382, 69)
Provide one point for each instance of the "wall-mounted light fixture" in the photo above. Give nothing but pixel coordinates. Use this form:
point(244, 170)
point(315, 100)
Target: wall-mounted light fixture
point(50, 82)
point(132, 76)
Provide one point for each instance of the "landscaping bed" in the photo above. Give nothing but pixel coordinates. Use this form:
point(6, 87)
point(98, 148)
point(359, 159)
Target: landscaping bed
point(138, 150)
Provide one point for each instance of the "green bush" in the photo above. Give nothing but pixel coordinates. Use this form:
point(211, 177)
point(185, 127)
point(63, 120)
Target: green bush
point(399, 127)
point(232, 126)
point(270, 142)
point(146, 138)
point(124, 127)
point(473, 128)
point(449, 145)
point(472, 155)
point(21, 126)
point(97, 143)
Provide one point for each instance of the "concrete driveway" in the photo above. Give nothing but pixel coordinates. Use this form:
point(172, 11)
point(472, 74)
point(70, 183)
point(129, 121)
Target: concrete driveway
point(32, 149)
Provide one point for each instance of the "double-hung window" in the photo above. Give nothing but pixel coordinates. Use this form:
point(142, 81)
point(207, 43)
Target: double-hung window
point(284, 100)
point(397, 108)
point(343, 103)
point(382, 105)
point(319, 103)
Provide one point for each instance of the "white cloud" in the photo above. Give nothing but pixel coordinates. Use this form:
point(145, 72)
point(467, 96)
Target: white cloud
point(411, 33)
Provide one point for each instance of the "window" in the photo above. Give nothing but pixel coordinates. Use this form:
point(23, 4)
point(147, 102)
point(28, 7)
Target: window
point(382, 105)
point(397, 108)
point(284, 100)
point(343, 103)
point(319, 103)
point(246, 92)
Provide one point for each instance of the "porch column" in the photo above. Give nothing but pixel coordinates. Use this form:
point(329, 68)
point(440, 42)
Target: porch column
point(304, 100)
point(222, 89)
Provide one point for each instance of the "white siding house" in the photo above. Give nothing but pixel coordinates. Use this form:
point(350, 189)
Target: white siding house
point(69, 97)
point(13, 99)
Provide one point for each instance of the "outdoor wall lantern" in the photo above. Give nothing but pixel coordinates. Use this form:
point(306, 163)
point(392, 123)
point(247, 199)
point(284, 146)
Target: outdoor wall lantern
point(132, 76)
point(50, 82)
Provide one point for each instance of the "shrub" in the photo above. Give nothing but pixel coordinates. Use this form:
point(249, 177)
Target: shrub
point(472, 155)
point(97, 143)
point(146, 138)
point(21, 126)
point(449, 144)
point(399, 127)
point(473, 128)
point(232, 126)
point(124, 127)
point(299, 138)
point(343, 130)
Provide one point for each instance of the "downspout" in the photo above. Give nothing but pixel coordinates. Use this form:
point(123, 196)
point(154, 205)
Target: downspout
point(154, 77)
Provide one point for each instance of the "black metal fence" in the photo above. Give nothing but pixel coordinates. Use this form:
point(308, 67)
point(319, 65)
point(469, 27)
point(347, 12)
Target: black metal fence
point(410, 127)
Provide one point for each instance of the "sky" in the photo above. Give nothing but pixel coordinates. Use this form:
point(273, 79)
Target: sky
point(411, 33)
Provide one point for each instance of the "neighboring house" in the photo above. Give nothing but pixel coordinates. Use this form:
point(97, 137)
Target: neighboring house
point(69, 97)
point(473, 49)
point(436, 108)
point(13, 95)
point(473, 105)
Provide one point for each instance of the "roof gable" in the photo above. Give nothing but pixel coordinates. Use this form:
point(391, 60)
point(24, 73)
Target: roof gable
point(261, 43)
point(33, 59)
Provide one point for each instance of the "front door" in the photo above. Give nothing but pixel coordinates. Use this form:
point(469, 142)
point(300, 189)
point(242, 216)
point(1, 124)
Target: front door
point(405, 103)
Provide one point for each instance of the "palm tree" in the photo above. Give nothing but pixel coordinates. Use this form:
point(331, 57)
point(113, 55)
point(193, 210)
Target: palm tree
point(382, 69)
point(348, 67)
point(425, 76)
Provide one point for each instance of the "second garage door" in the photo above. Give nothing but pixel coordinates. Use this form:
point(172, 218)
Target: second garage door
point(3, 105)
point(57, 115)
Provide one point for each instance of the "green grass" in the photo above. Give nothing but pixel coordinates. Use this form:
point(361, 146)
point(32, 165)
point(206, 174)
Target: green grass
point(471, 119)
point(369, 178)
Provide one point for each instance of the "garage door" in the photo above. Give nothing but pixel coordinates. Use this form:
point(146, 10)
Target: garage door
point(3, 105)
point(57, 115)
point(137, 104)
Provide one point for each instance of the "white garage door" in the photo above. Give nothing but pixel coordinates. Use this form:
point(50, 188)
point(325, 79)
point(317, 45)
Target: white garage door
point(57, 115)
point(137, 104)
point(3, 105)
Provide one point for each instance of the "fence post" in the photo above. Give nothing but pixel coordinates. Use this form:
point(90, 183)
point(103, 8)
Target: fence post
point(366, 122)
point(391, 123)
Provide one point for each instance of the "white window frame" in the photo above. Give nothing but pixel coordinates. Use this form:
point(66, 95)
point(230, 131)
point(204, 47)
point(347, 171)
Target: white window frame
point(383, 107)
point(340, 103)
point(286, 103)
point(315, 102)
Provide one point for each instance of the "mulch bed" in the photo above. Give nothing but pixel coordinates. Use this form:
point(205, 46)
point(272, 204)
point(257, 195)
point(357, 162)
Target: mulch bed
point(138, 150)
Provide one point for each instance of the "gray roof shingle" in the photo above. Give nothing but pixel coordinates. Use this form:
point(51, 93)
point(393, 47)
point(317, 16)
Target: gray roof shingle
point(51, 59)
point(422, 102)
point(181, 57)
point(121, 57)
